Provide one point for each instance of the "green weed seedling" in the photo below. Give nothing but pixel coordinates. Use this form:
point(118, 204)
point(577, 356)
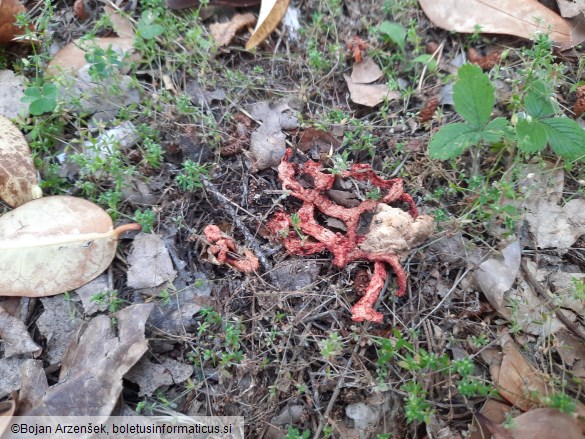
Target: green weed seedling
point(293, 433)
point(474, 99)
point(531, 129)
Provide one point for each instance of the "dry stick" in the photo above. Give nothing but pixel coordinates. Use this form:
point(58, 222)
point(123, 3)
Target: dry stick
point(575, 329)
point(227, 205)
point(335, 394)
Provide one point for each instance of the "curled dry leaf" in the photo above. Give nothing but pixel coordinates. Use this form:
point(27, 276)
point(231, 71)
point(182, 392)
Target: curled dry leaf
point(271, 12)
point(522, 18)
point(9, 9)
point(55, 244)
point(100, 354)
point(571, 8)
point(71, 58)
point(497, 275)
point(18, 176)
point(224, 33)
point(369, 95)
point(515, 378)
point(15, 336)
point(366, 71)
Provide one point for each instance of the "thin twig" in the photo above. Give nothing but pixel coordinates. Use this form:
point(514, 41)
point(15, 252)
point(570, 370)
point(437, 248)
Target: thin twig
point(537, 287)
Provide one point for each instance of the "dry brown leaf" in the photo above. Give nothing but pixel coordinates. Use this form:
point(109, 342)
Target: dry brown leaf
point(366, 72)
point(522, 18)
point(571, 8)
point(55, 244)
point(267, 142)
point(122, 26)
point(6, 412)
point(15, 336)
point(72, 57)
point(33, 385)
point(9, 9)
point(271, 12)
point(90, 380)
point(224, 33)
point(494, 411)
point(497, 275)
point(369, 95)
point(18, 176)
point(149, 262)
point(515, 378)
point(150, 376)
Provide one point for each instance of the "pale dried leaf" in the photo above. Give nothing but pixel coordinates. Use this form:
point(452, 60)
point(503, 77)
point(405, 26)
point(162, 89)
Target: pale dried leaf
point(529, 311)
point(545, 423)
point(15, 336)
point(10, 376)
point(267, 142)
point(6, 412)
point(571, 349)
point(370, 95)
point(18, 176)
point(571, 8)
point(33, 386)
point(150, 262)
point(493, 410)
point(71, 58)
point(11, 93)
point(150, 376)
point(121, 24)
point(9, 9)
point(55, 244)
point(522, 18)
point(92, 369)
point(224, 33)
point(557, 226)
point(564, 290)
point(57, 324)
point(497, 275)
point(366, 72)
point(516, 379)
point(271, 12)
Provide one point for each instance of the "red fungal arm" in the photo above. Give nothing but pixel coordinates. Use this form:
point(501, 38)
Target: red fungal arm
point(344, 247)
point(222, 245)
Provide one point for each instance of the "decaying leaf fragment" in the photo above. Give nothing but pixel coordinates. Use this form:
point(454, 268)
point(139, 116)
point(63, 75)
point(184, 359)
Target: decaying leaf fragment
point(360, 86)
point(71, 58)
point(55, 244)
point(522, 18)
point(271, 12)
point(15, 336)
point(90, 379)
point(18, 176)
point(224, 33)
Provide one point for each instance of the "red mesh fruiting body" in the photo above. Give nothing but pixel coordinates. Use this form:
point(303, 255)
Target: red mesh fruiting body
point(344, 247)
point(222, 245)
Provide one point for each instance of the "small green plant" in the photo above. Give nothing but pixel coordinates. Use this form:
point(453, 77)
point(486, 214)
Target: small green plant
point(393, 32)
point(190, 177)
point(578, 288)
point(42, 99)
point(148, 28)
point(474, 99)
point(331, 346)
point(531, 129)
point(293, 433)
point(296, 223)
point(146, 219)
point(110, 298)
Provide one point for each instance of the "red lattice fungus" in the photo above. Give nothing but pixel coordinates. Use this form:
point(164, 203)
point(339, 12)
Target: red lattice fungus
point(392, 232)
